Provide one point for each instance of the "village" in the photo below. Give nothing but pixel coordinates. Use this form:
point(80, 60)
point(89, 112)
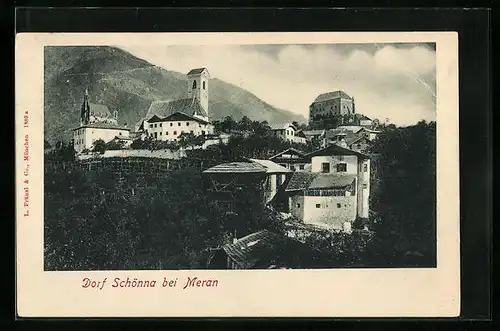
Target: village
point(318, 181)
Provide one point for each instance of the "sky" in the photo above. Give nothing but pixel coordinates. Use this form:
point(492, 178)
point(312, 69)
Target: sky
point(394, 82)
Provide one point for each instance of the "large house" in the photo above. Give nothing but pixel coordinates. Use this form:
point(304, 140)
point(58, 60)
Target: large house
point(289, 132)
point(355, 137)
point(167, 119)
point(96, 123)
point(330, 104)
point(336, 191)
point(292, 159)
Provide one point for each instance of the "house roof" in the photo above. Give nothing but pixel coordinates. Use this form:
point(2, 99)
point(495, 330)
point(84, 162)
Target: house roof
point(99, 110)
point(334, 150)
point(102, 125)
point(314, 180)
point(288, 151)
point(331, 95)
point(271, 167)
point(352, 128)
point(313, 132)
point(177, 116)
point(164, 108)
point(265, 249)
point(281, 126)
point(236, 167)
point(349, 136)
point(324, 181)
point(196, 71)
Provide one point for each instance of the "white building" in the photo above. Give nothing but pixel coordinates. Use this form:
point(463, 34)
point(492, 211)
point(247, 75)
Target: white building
point(96, 122)
point(335, 192)
point(85, 135)
point(168, 119)
point(289, 132)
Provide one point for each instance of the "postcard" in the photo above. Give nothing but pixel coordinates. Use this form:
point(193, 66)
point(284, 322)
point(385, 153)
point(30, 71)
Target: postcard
point(237, 174)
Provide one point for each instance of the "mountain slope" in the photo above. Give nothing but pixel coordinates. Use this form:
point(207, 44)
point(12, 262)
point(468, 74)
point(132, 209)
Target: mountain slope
point(129, 84)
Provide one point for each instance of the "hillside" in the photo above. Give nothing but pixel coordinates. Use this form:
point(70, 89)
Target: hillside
point(128, 84)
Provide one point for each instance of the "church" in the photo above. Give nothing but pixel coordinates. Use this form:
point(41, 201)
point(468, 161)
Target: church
point(96, 123)
point(166, 120)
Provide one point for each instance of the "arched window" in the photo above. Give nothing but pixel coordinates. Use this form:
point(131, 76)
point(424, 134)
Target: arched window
point(203, 84)
point(194, 84)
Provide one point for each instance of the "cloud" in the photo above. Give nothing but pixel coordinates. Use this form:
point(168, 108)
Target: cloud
point(388, 81)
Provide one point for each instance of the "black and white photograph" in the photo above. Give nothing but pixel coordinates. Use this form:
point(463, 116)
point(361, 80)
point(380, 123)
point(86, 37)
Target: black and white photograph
point(240, 156)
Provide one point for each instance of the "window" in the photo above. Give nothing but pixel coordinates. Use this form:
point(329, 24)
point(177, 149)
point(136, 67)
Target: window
point(166, 133)
point(318, 205)
point(339, 205)
point(203, 84)
point(120, 134)
point(298, 205)
point(365, 185)
point(365, 167)
point(175, 132)
point(160, 125)
point(160, 133)
point(187, 123)
point(171, 124)
point(292, 168)
point(194, 84)
point(203, 132)
point(325, 167)
point(341, 167)
point(179, 124)
point(155, 125)
point(150, 125)
point(191, 131)
point(301, 167)
point(156, 135)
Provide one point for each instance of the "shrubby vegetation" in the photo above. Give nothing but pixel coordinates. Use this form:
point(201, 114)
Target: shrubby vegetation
point(96, 220)
point(403, 196)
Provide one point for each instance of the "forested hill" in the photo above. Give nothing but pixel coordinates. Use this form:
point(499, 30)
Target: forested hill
point(128, 84)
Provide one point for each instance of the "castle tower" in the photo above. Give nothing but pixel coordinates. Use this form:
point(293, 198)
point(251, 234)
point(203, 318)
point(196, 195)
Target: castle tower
point(198, 86)
point(85, 109)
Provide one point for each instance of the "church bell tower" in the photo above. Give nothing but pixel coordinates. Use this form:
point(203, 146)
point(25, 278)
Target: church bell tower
point(198, 86)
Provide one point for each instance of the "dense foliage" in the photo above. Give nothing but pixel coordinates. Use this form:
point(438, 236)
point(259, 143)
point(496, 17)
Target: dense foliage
point(99, 220)
point(403, 197)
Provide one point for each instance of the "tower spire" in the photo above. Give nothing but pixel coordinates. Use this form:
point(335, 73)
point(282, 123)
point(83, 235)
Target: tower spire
point(85, 110)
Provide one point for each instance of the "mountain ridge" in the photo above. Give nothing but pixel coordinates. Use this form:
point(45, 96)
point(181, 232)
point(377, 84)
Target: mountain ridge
point(129, 84)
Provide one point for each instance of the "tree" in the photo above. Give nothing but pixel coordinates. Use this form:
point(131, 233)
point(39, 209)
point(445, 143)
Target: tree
point(99, 146)
point(403, 197)
point(46, 144)
point(115, 145)
point(62, 151)
point(188, 140)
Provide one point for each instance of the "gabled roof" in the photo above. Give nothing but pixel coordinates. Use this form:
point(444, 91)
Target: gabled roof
point(352, 142)
point(271, 167)
point(282, 126)
point(102, 125)
point(326, 181)
point(352, 128)
point(300, 133)
point(315, 180)
point(331, 95)
point(188, 106)
point(300, 181)
point(289, 151)
point(313, 132)
point(196, 71)
point(265, 249)
point(334, 150)
point(236, 167)
point(99, 110)
point(177, 116)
